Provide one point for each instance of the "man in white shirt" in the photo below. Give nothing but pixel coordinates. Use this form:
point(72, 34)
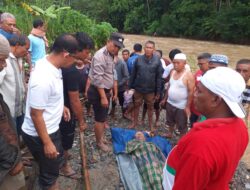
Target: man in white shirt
point(44, 109)
point(12, 83)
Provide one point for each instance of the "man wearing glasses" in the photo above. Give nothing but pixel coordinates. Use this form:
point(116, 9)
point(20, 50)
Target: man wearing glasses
point(102, 81)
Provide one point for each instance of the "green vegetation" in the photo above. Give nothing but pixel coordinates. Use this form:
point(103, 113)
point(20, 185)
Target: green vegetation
point(218, 20)
point(58, 20)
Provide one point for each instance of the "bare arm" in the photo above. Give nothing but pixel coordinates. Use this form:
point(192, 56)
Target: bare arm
point(190, 87)
point(165, 97)
point(104, 100)
point(76, 106)
point(39, 123)
point(87, 87)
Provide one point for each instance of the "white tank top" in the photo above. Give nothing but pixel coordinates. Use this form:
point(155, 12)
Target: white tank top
point(177, 92)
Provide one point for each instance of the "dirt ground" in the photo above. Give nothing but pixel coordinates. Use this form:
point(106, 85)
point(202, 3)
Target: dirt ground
point(103, 171)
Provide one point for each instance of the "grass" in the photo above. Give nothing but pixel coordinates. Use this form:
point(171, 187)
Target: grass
point(191, 48)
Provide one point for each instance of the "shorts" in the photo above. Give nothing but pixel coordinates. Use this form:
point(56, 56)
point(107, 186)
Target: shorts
point(176, 116)
point(148, 98)
point(100, 112)
point(67, 129)
point(48, 168)
point(156, 106)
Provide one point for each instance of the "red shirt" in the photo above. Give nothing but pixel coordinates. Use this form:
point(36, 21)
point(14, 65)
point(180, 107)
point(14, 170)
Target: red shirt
point(206, 158)
point(198, 76)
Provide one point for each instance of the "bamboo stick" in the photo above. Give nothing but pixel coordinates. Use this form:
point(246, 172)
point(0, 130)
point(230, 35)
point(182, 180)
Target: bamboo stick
point(84, 163)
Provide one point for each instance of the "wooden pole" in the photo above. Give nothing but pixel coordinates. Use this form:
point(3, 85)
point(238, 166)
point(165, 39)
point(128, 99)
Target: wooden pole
point(84, 163)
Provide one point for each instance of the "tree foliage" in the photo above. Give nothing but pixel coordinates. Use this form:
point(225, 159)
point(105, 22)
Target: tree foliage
point(224, 20)
point(59, 20)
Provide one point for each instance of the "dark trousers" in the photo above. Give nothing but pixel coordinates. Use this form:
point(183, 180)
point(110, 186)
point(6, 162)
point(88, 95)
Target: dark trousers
point(48, 168)
point(19, 122)
point(67, 129)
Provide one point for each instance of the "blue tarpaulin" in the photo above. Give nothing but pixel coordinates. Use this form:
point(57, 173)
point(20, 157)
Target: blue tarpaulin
point(121, 136)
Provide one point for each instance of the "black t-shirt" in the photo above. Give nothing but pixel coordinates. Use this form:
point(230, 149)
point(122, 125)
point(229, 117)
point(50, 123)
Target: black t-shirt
point(84, 73)
point(71, 78)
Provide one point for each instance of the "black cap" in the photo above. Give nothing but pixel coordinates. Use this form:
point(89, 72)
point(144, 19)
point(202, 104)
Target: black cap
point(117, 39)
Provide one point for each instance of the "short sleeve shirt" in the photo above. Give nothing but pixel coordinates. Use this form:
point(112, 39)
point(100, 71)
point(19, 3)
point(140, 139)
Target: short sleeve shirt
point(71, 78)
point(102, 69)
point(84, 74)
point(45, 92)
point(37, 48)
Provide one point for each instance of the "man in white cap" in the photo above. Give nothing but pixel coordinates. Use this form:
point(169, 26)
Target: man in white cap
point(206, 158)
point(179, 96)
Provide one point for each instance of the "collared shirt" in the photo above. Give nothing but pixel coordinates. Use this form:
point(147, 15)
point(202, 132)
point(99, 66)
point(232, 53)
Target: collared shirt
point(102, 69)
point(12, 85)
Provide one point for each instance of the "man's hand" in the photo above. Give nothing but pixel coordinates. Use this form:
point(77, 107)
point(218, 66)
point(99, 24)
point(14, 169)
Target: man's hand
point(157, 97)
point(50, 150)
point(66, 114)
point(163, 102)
point(104, 102)
point(187, 111)
point(86, 94)
point(83, 126)
point(114, 98)
point(16, 31)
point(17, 169)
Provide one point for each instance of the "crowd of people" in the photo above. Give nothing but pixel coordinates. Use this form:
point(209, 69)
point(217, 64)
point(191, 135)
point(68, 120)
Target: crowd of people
point(203, 109)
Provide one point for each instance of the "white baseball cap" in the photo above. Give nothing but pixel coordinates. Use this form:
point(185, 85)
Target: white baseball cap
point(229, 85)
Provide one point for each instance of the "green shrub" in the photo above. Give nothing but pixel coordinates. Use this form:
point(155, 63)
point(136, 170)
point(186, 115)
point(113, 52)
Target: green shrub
point(23, 18)
point(67, 21)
